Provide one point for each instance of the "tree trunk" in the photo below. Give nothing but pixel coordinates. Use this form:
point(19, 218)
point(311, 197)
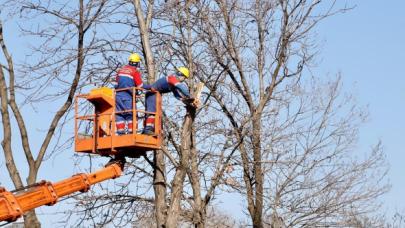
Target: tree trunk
point(31, 220)
point(198, 207)
point(174, 210)
point(257, 157)
point(159, 187)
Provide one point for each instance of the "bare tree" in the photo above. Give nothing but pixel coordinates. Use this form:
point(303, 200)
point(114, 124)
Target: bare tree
point(258, 51)
point(312, 177)
point(55, 72)
point(144, 22)
point(186, 47)
point(264, 130)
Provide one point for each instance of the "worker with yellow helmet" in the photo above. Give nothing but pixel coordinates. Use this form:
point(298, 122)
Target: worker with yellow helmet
point(127, 76)
point(173, 83)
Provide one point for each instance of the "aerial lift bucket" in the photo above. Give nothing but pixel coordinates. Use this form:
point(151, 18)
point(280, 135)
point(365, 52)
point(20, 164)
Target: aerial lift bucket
point(100, 137)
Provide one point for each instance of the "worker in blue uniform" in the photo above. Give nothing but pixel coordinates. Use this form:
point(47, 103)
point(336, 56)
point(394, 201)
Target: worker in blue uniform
point(127, 76)
point(172, 83)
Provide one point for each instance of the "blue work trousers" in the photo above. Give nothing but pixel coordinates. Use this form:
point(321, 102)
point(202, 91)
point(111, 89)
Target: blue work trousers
point(150, 102)
point(123, 102)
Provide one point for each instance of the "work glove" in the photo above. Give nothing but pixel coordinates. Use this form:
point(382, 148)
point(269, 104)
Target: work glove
point(193, 102)
point(196, 103)
point(150, 90)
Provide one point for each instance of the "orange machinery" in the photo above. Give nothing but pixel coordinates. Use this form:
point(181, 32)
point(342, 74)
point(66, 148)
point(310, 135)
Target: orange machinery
point(15, 203)
point(99, 138)
point(102, 139)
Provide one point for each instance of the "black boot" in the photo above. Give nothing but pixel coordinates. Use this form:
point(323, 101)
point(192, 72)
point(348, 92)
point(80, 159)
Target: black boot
point(148, 130)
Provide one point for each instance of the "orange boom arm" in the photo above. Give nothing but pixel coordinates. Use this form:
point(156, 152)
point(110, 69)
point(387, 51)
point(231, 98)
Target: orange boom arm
point(14, 205)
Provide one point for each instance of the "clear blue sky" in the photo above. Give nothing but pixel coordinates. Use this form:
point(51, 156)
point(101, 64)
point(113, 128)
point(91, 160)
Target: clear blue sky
point(367, 45)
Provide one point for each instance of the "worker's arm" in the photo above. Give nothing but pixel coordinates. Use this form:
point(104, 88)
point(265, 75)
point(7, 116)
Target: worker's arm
point(14, 204)
point(137, 78)
point(147, 86)
point(179, 89)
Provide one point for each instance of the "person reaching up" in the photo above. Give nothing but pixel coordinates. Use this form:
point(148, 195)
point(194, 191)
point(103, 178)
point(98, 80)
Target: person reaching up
point(173, 83)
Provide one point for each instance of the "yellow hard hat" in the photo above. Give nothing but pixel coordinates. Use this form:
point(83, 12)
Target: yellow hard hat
point(184, 71)
point(135, 58)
